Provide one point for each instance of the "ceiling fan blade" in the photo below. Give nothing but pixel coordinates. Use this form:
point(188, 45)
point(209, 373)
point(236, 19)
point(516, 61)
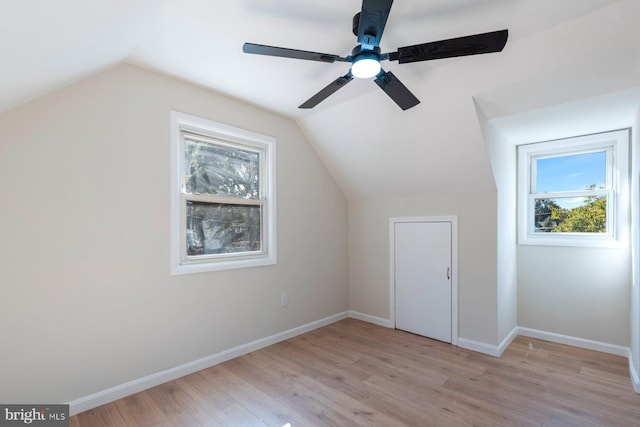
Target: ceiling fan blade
point(327, 91)
point(260, 49)
point(373, 18)
point(461, 46)
point(396, 90)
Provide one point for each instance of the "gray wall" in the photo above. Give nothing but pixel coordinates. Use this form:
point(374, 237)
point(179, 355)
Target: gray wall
point(87, 299)
point(579, 292)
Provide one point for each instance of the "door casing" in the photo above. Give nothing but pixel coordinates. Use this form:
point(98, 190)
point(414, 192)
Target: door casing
point(454, 267)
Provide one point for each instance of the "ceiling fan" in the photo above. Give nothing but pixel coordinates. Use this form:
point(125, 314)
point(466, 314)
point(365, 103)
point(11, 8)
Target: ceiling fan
point(368, 25)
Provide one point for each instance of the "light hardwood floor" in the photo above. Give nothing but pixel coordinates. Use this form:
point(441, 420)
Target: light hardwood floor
point(352, 373)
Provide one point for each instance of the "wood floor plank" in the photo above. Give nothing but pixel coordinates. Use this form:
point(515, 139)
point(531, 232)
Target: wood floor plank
point(312, 390)
point(140, 410)
point(74, 422)
point(530, 406)
point(352, 373)
point(106, 415)
point(238, 415)
point(349, 381)
point(176, 403)
point(205, 393)
point(263, 406)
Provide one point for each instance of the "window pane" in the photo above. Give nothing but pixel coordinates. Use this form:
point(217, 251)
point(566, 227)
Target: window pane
point(571, 173)
point(571, 215)
point(220, 170)
point(214, 228)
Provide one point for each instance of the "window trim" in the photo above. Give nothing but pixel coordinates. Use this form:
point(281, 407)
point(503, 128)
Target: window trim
point(234, 137)
point(616, 143)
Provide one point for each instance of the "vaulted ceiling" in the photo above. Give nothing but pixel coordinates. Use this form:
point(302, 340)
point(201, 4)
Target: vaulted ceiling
point(557, 52)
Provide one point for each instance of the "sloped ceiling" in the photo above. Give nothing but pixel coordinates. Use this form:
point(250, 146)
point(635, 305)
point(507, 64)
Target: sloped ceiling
point(558, 51)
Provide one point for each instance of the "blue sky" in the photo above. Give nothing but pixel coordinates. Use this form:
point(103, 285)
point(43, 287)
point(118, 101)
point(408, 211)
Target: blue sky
point(571, 173)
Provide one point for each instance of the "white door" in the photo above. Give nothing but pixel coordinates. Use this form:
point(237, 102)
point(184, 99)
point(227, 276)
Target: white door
point(422, 256)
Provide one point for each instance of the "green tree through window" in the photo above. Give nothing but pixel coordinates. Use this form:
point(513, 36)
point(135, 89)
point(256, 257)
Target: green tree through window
point(588, 218)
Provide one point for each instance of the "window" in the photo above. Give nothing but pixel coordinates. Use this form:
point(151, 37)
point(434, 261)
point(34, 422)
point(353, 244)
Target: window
point(223, 197)
point(574, 191)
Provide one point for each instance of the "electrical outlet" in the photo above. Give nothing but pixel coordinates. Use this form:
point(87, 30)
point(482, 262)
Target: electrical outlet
point(284, 299)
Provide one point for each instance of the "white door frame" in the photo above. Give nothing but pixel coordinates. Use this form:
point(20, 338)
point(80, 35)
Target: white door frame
point(453, 219)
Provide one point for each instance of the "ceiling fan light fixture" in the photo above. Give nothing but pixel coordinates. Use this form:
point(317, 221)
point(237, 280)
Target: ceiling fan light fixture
point(366, 66)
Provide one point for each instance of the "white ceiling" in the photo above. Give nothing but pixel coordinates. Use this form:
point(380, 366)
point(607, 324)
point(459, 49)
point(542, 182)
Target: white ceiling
point(370, 145)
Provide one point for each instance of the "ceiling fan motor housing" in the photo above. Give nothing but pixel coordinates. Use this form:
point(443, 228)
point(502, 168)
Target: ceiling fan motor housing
point(362, 52)
point(356, 23)
point(369, 35)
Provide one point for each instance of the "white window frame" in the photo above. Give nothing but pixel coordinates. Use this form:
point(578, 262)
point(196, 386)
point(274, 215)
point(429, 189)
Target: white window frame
point(223, 135)
point(616, 145)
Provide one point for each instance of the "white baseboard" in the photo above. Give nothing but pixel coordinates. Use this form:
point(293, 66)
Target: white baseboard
point(575, 342)
point(507, 340)
point(497, 351)
point(140, 384)
point(489, 349)
point(480, 347)
point(371, 319)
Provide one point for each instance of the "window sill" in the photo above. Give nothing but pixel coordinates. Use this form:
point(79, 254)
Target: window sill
point(203, 267)
point(574, 241)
